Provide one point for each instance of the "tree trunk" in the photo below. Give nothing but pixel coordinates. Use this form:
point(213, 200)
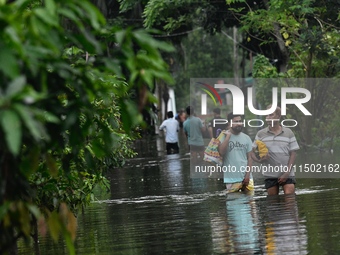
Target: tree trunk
point(166, 98)
point(281, 43)
point(159, 104)
point(236, 64)
point(36, 237)
point(282, 47)
point(309, 121)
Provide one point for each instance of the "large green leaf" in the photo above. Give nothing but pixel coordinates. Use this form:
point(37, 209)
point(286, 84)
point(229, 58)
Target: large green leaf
point(46, 16)
point(11, 125)
point(31, 123)
point(96, 17)
point(50, 6)
point(8, 63)
point(16, 86)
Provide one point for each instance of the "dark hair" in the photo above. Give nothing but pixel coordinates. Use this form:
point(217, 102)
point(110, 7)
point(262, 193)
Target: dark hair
point(170, 114)
point(189, 110)
point(231, 116)
point(217, 110)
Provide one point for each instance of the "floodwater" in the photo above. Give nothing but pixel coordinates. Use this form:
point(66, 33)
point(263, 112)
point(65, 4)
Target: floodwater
point(154, 207)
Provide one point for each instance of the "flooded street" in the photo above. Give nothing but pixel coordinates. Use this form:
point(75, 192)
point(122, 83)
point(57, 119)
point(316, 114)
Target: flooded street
point(154, 207)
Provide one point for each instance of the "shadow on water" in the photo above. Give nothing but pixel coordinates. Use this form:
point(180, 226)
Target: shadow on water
point(154, 207)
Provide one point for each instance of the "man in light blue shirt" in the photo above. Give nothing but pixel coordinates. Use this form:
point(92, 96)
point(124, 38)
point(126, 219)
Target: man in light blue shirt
point(171, 127)
point(236, 147)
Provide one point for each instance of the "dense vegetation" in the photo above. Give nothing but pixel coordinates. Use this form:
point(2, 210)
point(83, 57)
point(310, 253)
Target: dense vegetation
point(66, 110)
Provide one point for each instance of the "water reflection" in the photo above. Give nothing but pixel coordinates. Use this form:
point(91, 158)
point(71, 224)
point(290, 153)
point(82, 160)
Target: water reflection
point(155, 207)
point(235, 231)
point(242, 224)
point(274, 228)
point(284, 231)
point(172, 173)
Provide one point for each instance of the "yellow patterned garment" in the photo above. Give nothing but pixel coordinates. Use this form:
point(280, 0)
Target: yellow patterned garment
point(237, 187)
point(262, 148)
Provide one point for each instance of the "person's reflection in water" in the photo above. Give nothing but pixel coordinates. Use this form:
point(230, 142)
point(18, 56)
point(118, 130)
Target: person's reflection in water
point(284, 233)
point(242, 237)
point(172, 174)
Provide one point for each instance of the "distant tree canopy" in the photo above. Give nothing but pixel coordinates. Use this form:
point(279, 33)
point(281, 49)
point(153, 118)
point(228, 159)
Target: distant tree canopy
point(300, 38)
point(272, 28)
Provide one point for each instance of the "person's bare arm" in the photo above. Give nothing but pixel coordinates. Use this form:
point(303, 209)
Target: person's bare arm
point(254, 158)
point(246, 179)
point(223, 147)
point(162, 126)
point(292, 157)
point(210, 132)
point(291, 161)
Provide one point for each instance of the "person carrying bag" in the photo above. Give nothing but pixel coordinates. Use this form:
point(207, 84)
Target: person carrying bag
point(211, 153)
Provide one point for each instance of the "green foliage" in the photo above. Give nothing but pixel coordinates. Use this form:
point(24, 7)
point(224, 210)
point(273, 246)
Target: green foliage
point(263, 69)
point(307, 34)
point(66, 113)
point(264, 72)
point(173, 14)
point(75, 188)
point(206, 56)
point(304, 28)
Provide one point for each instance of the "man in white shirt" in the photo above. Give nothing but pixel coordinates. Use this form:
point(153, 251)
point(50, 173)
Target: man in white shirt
point(171, 127)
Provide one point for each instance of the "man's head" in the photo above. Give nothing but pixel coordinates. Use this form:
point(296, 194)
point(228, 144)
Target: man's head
point(274, 118)
point(189, 110)
point(170, 114)
point(217, 112)
point(181, 116)
point(235, 122)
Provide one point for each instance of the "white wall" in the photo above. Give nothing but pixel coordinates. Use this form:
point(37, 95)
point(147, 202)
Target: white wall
point(171, 103)
point(171, 106)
